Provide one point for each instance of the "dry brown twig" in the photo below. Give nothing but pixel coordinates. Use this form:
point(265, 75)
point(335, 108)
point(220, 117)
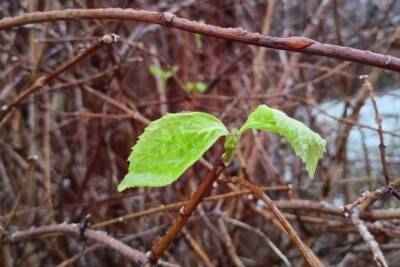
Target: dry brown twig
point(357, 207)
point(378, 120)
point(75, 229)
point(6, 110)
point(369, 239)
point(353, 212)
point(305, 251)
point(260, 233)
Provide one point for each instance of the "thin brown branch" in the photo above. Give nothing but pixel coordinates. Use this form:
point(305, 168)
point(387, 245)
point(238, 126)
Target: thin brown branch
point(74, 229)
point(369, 240)
point(98, 245)
point(6, 110)
point(164, 208)
point(378, 120)
point(261, 234)
point(28, 175)
point(305, 251)
point(134, 114)
point(366, 199)
point(230, 248)
point(295, 44)
point(197, 248)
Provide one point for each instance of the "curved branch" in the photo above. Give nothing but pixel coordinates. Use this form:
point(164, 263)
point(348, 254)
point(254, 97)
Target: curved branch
point(295, 44)
point(282, 222)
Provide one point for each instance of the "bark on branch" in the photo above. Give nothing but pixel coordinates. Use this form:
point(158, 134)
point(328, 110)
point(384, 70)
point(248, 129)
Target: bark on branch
point(295, 44)
point(75, 229)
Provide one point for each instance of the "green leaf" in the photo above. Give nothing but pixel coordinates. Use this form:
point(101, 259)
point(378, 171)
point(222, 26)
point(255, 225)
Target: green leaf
point(169, 146)
point(163, 74)
point(189, 86)
point(200, 87)
point(197, 86)
point(156, 71)
point(306, 143)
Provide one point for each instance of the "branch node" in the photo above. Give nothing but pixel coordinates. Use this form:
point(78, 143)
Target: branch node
point(33, 158)
point(151, 259)
point(363, 77)
point(389, 60)
point(182, 212)
point(168, 18)
point(83, 225)
point(110, 38)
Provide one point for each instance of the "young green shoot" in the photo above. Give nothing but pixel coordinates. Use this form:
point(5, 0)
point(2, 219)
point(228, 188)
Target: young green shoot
point(173, 143)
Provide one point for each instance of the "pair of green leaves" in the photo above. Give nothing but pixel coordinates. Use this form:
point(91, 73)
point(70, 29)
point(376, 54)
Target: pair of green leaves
point(166, 74)
point(174, 142)
point(199, 87)
point(163, 74)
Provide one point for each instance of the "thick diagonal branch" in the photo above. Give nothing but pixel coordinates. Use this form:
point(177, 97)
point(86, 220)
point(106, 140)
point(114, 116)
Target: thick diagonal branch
point(186, 211)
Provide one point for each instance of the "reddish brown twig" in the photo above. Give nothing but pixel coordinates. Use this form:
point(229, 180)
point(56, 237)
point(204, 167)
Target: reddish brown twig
point(185, 212)
point(39, 83)
point(305, 251)
point(296, 44)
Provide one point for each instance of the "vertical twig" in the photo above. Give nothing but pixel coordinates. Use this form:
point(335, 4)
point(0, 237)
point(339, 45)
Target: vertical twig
point(46, 158)
point(259, 62)
point(161, 84)
point(378, 121)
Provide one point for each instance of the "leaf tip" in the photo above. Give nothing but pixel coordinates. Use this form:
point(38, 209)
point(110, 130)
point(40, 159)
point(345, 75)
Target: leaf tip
point(121, 188)
point(123, 185)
